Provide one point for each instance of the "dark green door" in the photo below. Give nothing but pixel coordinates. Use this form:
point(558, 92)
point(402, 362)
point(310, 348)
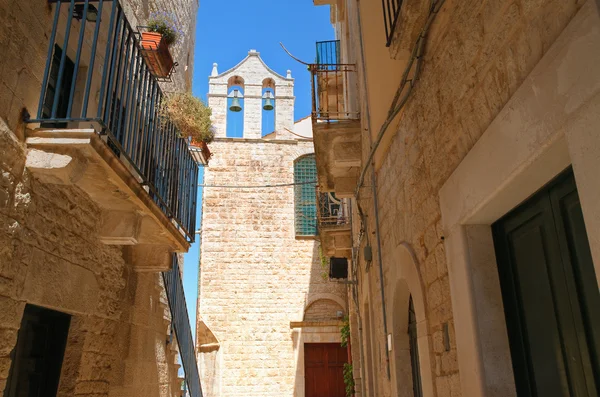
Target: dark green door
point(550, 294)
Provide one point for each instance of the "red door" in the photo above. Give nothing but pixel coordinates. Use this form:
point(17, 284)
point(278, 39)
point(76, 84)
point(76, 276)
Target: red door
point(324, 369)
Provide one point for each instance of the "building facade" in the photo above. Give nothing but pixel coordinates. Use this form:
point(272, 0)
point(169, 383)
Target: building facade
point(88, 215)
point(266, 304)
point(468, 134)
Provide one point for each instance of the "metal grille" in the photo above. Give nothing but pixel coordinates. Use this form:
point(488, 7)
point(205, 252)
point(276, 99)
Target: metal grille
point(333, 212)
point(181, 322)
point(391, 12)
point(414, 350)
point(105, 83)
point(305, 170)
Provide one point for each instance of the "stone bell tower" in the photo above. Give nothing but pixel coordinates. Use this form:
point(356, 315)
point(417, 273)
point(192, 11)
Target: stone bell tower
point(253, 76)
point(260, 271)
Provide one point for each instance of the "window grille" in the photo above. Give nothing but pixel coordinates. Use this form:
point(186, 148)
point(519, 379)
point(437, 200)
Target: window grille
point(305, 198)
point(391, 12)
point(414, 350)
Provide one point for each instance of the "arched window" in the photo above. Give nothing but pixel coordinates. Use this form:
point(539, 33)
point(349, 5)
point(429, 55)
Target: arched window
point(414, 350)
point(305, 196)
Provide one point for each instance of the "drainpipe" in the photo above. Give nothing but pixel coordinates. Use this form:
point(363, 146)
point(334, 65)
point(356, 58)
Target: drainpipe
point(374, 190)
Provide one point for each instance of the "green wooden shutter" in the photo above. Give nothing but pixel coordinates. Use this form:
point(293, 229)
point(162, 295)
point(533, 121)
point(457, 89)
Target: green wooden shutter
point(305, 198)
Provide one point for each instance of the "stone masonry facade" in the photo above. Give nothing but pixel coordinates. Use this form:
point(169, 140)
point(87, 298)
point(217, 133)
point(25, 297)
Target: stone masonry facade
point(258, 280)
point(477, 55)
point(50, 251)
point(255, 276)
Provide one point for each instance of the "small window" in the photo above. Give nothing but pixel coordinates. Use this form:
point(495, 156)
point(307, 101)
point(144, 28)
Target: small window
point(305, 196)
point(37, 358)
point(414, 350)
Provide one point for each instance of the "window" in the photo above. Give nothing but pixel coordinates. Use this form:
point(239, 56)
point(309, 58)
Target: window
point(414, 350)
point(305, 196)
point(64, 89)
point(37, 358)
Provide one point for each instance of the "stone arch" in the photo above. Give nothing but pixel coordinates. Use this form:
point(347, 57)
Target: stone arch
point(268, 83)
point(325, 296)
point(236, 81)
point(323, 310)
point(403, 282)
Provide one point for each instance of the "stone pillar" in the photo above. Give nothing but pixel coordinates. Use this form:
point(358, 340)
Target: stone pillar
point(284, 104)
point(217, 101)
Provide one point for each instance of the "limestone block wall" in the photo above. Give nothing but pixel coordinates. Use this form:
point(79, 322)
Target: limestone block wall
point(185, 11)
point(255, 276)
point(477, 55)
point(51, 256)
point(50, 252)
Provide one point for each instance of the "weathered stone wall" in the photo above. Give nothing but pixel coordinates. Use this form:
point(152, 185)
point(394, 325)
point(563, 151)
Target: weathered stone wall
point(51, 256)
point(185, 12)
point(255, 276)
point(50, 252)
point(323, 310)
point(477, 55)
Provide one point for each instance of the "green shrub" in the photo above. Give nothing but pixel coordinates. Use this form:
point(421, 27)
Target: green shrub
point(348, 380)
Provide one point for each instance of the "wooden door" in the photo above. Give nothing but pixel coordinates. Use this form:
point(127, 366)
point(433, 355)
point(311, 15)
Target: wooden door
point(550, 294)
point(324, 366)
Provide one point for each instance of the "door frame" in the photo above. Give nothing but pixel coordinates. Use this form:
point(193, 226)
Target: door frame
point(546, 126)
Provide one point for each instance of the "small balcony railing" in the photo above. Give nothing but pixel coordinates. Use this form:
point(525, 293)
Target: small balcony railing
point(96, 77)
point(181, 323)
point(332, 212)
point(391, 14)
point(330, 84)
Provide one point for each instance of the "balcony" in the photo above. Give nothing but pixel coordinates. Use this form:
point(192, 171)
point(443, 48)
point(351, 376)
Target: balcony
point(98, 126)
point(333, 219)
point(336, 122)
point(180, 323)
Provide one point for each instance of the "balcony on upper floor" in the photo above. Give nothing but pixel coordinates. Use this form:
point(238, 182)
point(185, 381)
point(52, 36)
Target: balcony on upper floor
point(336, 121)
point(99, 126)
point(333, 219)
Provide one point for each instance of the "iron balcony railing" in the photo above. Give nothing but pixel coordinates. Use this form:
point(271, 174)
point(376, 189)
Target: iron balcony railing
point(391, 14)
point(181, 323)
point(331, 211)
point(330, 85)
point(96, 76)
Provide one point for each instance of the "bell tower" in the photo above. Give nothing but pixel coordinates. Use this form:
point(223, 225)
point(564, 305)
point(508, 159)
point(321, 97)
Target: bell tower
point(253, 86)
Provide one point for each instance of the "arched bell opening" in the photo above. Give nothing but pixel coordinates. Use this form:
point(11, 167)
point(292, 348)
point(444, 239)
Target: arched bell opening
point(268, 106)
point(235, 107)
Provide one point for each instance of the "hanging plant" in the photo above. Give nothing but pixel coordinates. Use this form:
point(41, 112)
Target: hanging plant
point(345, 332)
point(166, 25)
point(190, 115)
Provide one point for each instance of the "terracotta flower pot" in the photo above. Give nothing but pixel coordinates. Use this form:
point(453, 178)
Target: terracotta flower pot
point(204, 147)
point(156, 53)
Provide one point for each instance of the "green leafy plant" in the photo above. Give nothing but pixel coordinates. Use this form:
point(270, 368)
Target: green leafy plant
point(345, 332)
point(190, 115)
point(324, 264)
point(348, 380)
point(166, 24)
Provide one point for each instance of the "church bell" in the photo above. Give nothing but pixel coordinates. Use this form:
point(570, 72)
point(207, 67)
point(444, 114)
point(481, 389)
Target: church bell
point(268, 101)
point(235, 102)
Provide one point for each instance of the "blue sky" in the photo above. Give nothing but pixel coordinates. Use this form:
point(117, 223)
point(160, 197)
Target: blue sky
point(225, 32)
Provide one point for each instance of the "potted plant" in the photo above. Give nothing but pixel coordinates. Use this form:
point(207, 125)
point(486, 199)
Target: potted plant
point(163, 31)
point(191, 116)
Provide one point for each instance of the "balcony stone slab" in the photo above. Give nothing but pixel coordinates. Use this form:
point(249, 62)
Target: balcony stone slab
point(130, 216)
point(336, 241)
point(338, 154)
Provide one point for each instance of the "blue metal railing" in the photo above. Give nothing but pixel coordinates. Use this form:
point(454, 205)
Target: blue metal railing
point(328, 52)
point(330, 84)
point(181, 322)
point(118, 94)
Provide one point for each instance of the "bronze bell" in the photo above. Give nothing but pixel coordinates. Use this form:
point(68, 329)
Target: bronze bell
point(268, 102)
point(235, 102)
